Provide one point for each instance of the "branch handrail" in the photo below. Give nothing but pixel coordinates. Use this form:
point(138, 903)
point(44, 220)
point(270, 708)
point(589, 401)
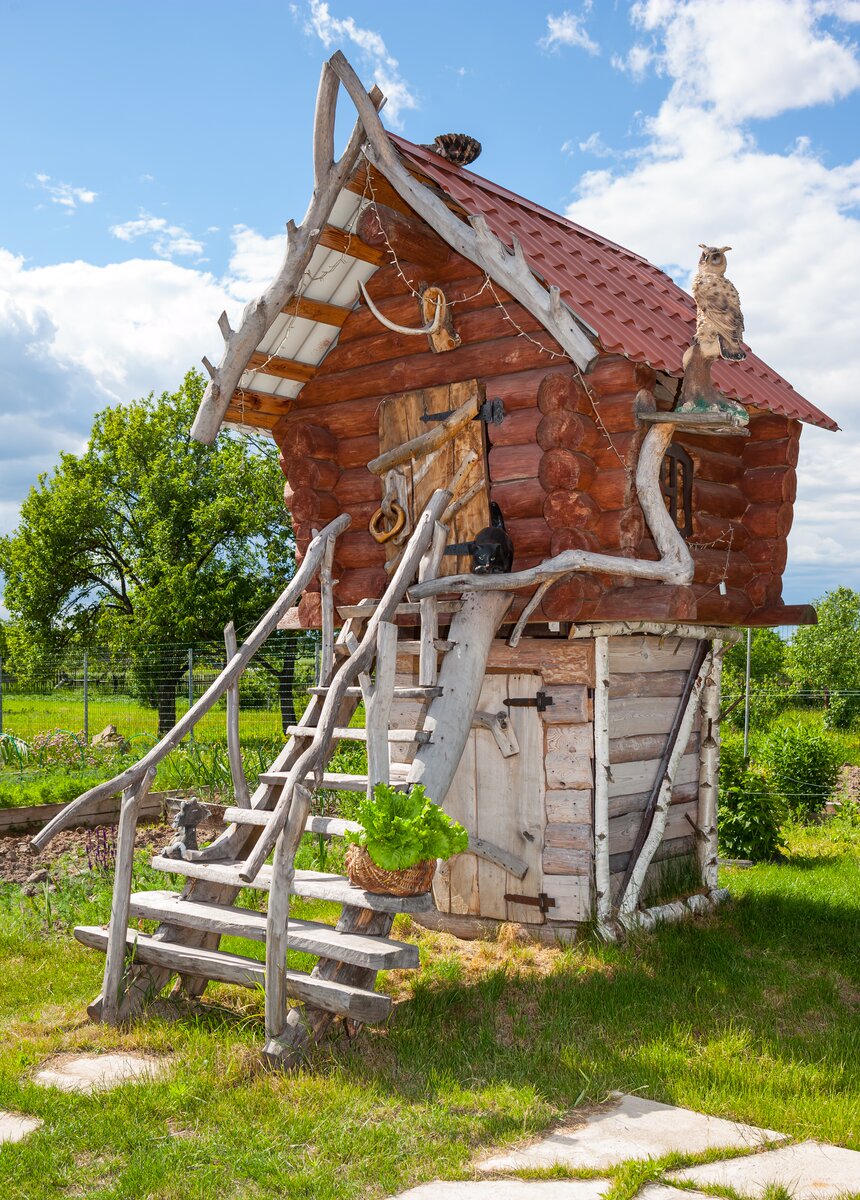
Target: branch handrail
point(234, 668)
point(675, 565)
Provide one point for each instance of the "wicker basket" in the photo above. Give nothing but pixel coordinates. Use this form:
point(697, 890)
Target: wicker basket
point(364, 873)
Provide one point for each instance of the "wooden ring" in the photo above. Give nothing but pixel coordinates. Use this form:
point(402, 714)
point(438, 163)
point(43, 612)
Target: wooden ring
point(381, 535)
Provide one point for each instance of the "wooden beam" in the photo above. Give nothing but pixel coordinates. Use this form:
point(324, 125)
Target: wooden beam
point(261, 402)
point(316, 310)
point(335, 238)
point(284, 368)
point(255, 420)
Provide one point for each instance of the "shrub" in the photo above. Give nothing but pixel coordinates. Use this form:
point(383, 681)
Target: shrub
point(749, 814)
point(803, 765)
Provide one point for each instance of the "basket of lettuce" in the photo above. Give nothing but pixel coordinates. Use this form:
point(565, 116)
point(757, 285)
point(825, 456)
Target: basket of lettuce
point(403, 834)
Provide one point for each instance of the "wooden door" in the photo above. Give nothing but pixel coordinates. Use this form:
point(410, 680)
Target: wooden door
point(400, 420)
point(501, 800)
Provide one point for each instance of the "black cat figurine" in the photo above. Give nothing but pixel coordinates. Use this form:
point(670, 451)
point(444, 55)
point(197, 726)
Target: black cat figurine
point(492, 550)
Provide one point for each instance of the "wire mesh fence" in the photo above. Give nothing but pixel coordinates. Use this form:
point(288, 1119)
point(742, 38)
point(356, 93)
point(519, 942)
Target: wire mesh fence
point(140, 696)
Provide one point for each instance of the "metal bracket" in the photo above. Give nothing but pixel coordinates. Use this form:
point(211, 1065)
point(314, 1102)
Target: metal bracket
point(541, 701)
point(491, 412)
point(541, 900)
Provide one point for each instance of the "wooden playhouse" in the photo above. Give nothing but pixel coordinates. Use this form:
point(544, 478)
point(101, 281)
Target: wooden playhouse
point(433, 344)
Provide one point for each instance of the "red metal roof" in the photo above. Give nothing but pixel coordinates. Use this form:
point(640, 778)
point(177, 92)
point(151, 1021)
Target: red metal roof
point(636, 309)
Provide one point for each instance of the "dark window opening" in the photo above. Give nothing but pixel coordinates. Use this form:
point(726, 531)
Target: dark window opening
point(676, 484)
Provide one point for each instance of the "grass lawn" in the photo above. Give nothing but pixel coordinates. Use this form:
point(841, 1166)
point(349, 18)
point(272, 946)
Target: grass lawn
point(27, 714)
point(751, 1014)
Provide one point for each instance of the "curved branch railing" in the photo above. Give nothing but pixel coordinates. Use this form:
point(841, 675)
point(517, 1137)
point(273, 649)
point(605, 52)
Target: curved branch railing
point(136, 774)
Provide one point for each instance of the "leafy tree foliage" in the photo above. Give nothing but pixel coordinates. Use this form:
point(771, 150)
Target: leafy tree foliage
point(768, 677)
point(826, 657)
point(146, 540)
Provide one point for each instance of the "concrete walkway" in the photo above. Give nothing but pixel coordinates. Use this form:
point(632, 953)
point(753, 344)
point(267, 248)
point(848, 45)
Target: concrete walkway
point(633, 1128)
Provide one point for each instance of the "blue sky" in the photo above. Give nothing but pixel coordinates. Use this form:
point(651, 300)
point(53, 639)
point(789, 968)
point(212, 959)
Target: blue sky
point(152, 153)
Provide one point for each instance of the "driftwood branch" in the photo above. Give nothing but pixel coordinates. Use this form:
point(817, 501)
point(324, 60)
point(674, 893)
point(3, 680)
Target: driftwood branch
point(675, 565)
point(425, 443)
point(234, 748)
point(630, 899)
point(301, 242)
point(602, 884)
point(475, 241)
point(232, 671)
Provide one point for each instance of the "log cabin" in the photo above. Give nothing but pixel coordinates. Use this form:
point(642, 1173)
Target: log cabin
point(434, 345)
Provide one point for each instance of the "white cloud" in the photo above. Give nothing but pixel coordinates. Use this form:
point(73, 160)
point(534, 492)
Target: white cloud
point(64, 194)
point(794, 224)
point(168, 241)
point(75, 337)
point(385, 68)
point(748, 60)
point(594, 144)
point(635, 63)
point(568, 29)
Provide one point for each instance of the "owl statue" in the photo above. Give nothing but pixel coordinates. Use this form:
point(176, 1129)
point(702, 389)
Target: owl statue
point(719, 320)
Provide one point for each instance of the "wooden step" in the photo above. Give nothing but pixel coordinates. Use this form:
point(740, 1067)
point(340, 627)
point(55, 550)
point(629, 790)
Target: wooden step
point(315, 885)
point(408, 609)
point(335, 781)
point(359, 734)
point(327, 826)
point(405, 646)
point(339, 998)
point(400, 693)
point(312, 937)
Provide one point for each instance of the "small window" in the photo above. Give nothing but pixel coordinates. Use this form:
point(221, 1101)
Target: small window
point(676, 484)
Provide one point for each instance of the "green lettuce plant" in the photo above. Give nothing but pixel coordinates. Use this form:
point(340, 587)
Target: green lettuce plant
point(401, 829)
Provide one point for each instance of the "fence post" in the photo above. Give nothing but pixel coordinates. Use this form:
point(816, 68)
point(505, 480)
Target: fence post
point(86, 698)
point(747, 695)
point(191, 685)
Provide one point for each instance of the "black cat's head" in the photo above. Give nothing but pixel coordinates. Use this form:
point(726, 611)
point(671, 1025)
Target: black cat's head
point(485, 559)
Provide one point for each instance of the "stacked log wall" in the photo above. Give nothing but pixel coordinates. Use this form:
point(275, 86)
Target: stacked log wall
point(561, 465)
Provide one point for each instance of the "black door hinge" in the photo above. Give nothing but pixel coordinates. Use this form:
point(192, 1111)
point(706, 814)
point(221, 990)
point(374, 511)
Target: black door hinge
point(541, 900)
point(491, 412)
point(541, 701)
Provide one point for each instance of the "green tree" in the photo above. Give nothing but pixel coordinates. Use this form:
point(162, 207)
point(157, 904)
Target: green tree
point(826, 657)
point(148, 540)
point(768, 676)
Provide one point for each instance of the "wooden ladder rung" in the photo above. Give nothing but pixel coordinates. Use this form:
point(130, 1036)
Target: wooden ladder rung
point(311, 937)
point(407, 609)
point(359, 734)
point(327, 826)
point(400, 693)
point(356, 1003)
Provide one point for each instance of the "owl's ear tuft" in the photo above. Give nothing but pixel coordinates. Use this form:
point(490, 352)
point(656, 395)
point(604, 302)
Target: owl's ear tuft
point(723, 249)
point(702, 246)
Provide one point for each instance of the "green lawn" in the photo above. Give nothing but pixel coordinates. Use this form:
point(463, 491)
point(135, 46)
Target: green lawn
point(27, 714)
point(751, 1014)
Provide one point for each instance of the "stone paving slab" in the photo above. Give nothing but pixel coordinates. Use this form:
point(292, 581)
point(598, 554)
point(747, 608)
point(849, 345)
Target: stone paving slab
point(637, 1128)
point(516, 1189)
point(810, 1171)
point(662, 1191)
point(97, 1072)
point(13, 1127)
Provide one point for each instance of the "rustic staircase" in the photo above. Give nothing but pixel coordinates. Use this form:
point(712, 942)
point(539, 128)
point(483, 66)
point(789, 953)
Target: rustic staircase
point(360, 664)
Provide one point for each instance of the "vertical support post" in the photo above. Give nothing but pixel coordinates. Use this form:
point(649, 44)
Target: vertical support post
point(277, 919)
point(428, 568)
point(377, 701)
point(241, 792)
point(86, 698)
point(601, 789)
point(709, 770)
point(191, 687)
point(132, 798)
point(327, 604)
point(747, 695)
